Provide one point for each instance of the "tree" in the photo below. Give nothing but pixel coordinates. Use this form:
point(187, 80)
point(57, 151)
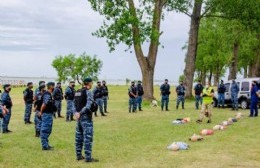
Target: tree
point(70, 67)
point(135, 23)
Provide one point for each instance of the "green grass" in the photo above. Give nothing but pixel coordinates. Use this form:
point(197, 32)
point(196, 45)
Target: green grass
point(124, 140)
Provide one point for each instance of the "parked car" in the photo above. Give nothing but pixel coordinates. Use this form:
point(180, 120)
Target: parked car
point(244, 94)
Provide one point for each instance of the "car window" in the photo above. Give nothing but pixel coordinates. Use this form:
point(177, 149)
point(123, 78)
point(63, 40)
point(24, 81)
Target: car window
point(245, 86)
point(227, 86)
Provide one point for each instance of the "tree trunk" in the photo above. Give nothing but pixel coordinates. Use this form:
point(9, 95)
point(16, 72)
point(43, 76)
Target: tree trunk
point(203, 78)
point(148, 75)
point(210, 76)
point(216, 79)
point(245, 72)
point(233, 66)
point(192, 48)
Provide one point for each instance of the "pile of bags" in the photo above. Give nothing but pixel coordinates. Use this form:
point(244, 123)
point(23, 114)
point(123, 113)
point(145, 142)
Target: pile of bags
point(175, 146)
point(179, 121)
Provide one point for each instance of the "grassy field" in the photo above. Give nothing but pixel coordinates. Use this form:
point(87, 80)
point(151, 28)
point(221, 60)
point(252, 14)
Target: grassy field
point(124, 140)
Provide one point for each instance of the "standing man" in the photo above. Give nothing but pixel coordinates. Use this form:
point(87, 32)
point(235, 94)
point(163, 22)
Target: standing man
point(105, 95)
point(98, 97)
point(165, 92)
point(198, 91)
point(254, 100)
point(140, 93)
point(37, 90)
point(221, 94)
point(180, 90)
point(46, 114)
point(84, 129)
point(37, 109)
point(28, 100)
point(234, 93)
point(132, 92)
point(69, 96)
point(7, 102)
point(208, 94)
point(58, 97)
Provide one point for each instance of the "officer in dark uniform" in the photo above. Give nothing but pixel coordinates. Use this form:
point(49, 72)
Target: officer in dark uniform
point(37, 109)
point(69, 96)
point(165, 93)
point(234, 92)
point(221, 94)
point(37, 90)
point(198, 97)
point(58, 97)
point(84, 129)
point(7, 102)
point(105, 95)
point(254, 100)
point(98, 97)
point(140, 93)
point(132, 92)
point(180, 90)
point(28, 100)
point(47, 109)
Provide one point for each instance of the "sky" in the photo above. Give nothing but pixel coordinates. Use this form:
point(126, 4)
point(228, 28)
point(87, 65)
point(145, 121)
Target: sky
point(33, 32)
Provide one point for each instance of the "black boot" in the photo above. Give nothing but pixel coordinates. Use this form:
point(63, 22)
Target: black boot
point(177, 107)
point(183, 107)
point(67, 118)
point(71, 117)
point(37, 133)
point(96, 114)
point(102, 114)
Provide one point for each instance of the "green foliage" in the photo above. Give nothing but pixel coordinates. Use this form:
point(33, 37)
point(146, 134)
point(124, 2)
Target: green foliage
point(181, 78)
point(70, 67)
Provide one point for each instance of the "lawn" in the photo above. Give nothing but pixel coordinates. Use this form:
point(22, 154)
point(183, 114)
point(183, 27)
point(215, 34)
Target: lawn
point(124, 140)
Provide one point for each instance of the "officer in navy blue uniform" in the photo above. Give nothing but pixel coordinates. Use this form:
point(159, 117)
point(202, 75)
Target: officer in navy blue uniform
point(254, 100)
point(28, 100)
point(105, 95)
point(98, 93)
point(69, 96)
point(165, 93)
point(140, 93)
point(221, 94)
point(47, 109)
point(37, 90)
point(84, 129)
point(58, 97)
point(132, 92)
point(234, 93)
point(7, 102)
point(198, 94)
point(180, 90)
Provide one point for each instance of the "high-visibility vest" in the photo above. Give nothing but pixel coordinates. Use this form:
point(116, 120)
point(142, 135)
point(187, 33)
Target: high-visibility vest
point(207, 97)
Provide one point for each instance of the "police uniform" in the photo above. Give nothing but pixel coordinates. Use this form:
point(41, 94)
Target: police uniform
point(28, 99)
point(165, 92)
point(132, 99)
point(58, 96)
point(140, 93)
point(47, 120)
point(254, 101)
point(234, 93)
point(198, 99)
point(69, 95)
point(180, 96)
point(105, 97)
point(37, 119)
point(6, 101)
point(221, 95)
point(207, 104)
point(98, 97)
point(84, 129)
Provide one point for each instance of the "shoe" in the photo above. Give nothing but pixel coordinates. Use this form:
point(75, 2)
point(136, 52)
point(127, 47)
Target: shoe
point(102, 114)
point(167, 110)
point(9, 131)
point(80, 157)
point(37, 133)
point(177, 107)
point(60, 116)
point(209, 121)
point(47, 148)
point(199, 121)
point(92, 160)
point(251, 116)
point(140, 110)
point(51, 147)
point(26, 123)
point(67, 119)
point(256, 115)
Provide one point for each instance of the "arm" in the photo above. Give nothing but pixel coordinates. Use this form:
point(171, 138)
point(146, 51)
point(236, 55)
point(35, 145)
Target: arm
point(24, 95)
point(46, 99)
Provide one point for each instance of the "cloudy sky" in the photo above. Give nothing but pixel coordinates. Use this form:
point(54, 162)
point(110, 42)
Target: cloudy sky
point(33, 32)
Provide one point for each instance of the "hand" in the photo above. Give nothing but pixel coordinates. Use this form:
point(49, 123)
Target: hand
point(39, 114)
point(77, 115)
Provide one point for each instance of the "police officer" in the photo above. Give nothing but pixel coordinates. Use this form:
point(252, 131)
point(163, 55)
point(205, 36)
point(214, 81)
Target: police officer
point(208, 93)
point(165, 92)
point(69, 96)
point(37, 109)
point(37, 90)
point(198, 91)
point(105, 95)
point(254, 100)
point(180, 90)
point(7, 102)
point(84, 129)
point(132, 93)
point(3, 112)
point(46, 113)
point(28, 100)
point(98, 97)
point(234, 93)
point(140, 93)
point(221, 94)
point(58, 97)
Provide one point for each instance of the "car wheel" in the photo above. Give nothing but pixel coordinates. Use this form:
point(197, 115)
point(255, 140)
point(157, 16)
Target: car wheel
point(244, 104)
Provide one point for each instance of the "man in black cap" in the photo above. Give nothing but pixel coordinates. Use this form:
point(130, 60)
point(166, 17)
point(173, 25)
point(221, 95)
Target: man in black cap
point(84, 131)
point(165, 92)
point(37, 90)
point(140, 93)
point(58, 97)
point(132, 92)
point(69, 96)
point(98, 93)
point(28, 100)
point(221, 94)
point(7, 102)
point(105, 95)
point(47, 109)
